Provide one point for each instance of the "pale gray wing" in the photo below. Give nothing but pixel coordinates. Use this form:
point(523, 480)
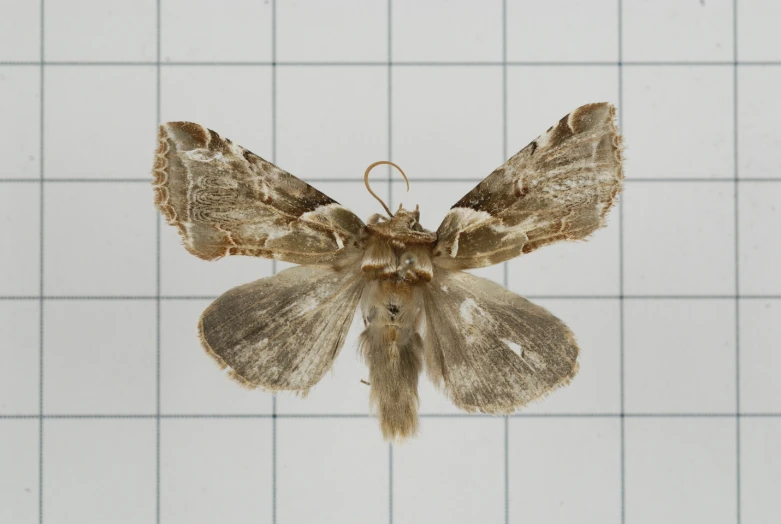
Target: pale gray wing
point(559, 187)
point(282, 332)
point(225, 200)
point(491, 350)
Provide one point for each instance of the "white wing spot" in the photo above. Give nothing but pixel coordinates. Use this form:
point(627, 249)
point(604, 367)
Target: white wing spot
point(468, 308)
point(515, 348)
point(444, 288)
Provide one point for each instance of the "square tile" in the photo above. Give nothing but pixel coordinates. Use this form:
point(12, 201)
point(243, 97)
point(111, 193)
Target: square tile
point(760, 470)
point(331, 461)
point(679, 356)
point(757, 30)
point(446, 31)
point(99, 470)
point(113, 111)
point(183, 274)
point(243, 113)
point(453, 471)
point(341, 389)
point(20, 353)
point(99, 239)
point(759, 220)
point(564, 470)
point(596, 387)
point(191, 382)
point(447, 121)
point(572, 268)
point(19, 464)
point(215, 470)
point(238, 31)
point(20, 135)
point(657, 100)
point(539, 96)
point(680, 470)
point(336, 31)
point(106, 347)
point(331, 121)
point(20, 229)
point(679, 238)
point(105, 30)
point(20, 31)
point(672, 31)
point(758, 134)
point(590, 29)
point(760, 360)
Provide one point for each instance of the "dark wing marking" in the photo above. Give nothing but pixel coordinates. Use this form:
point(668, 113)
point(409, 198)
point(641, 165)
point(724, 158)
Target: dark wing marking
point(227, 201)
point(559, 187)
point(490, 349)
point(282, 332)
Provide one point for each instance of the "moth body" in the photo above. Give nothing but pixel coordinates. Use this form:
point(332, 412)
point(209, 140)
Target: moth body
point(397, 266)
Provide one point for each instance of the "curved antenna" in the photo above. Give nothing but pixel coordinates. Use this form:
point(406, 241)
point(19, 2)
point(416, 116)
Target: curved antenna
point(368, 187)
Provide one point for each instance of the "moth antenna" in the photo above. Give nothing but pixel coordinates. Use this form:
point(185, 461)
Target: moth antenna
point(368, 187)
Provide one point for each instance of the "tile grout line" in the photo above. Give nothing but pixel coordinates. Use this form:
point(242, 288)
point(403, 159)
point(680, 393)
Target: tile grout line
point(390, 105)
point(389, 14)
point(621, 326)
point(332, 180)
point(738, 508)
point(274, 262)
point(158, 274)
point(142, 63)
point(367, 415)
point(41, 300)
point(505, 268)
point(444, 180)
point(529, 296)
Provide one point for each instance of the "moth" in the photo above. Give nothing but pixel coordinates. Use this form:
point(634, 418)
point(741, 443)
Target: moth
point(488, 349)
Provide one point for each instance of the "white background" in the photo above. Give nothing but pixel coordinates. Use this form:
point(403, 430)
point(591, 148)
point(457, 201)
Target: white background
point(111, 412)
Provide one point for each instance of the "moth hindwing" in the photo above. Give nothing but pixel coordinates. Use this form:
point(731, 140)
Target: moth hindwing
point(488, 349)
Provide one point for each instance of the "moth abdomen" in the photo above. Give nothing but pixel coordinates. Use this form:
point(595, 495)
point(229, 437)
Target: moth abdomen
point(394, 356)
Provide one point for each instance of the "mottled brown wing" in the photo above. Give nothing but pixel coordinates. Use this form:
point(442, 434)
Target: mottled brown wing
point(490, 349)
point(282, 332)
point(559, 187)
point(227, 201)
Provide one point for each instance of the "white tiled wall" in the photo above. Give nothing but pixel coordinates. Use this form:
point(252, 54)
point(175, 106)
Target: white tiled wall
point(111, 412)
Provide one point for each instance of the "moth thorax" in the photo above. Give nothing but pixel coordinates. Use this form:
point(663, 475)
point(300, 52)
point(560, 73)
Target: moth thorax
point(397, 262)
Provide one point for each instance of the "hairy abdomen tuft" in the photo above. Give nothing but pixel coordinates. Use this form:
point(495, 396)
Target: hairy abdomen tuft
point(393, 354)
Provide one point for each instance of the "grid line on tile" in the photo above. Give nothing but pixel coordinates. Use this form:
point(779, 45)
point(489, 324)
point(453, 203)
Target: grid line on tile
point(274, 417)
point(359, 180)
point(390, 205)
point(41, 301)
point(529, 296)
point(505, 266)
point(721, 63)
point(158, 273)
point(737, 256)
point(621, 297)
point(522, 415)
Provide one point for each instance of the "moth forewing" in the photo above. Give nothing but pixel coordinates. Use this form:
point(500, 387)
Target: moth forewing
point(559, 187)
